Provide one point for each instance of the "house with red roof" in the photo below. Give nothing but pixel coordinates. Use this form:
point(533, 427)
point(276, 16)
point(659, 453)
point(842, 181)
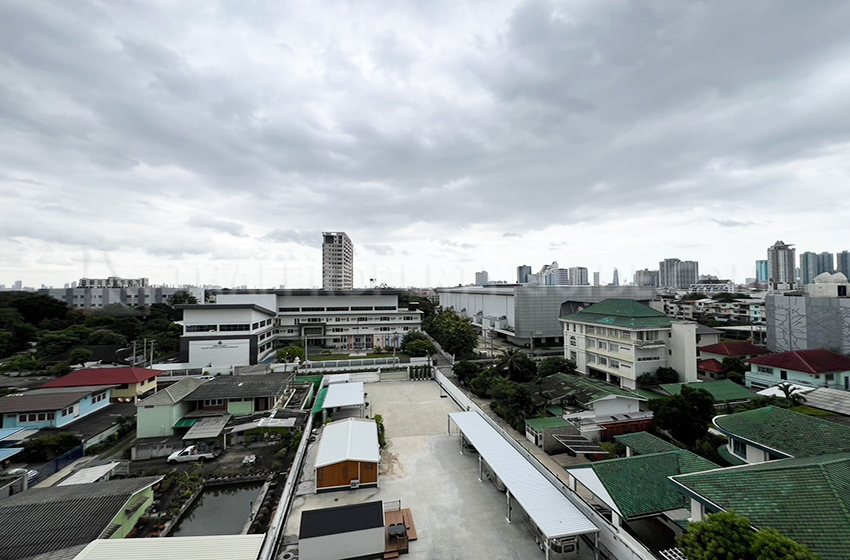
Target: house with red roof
point(810, 368)
point(710, 358)
point(128, 382)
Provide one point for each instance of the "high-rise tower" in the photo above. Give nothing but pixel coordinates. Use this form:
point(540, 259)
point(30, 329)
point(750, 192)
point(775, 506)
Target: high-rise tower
point(337, 261)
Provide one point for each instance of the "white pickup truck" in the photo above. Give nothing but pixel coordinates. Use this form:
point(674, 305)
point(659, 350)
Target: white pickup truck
point(192, 454)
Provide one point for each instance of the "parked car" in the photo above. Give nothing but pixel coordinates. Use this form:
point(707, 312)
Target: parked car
point(207, 377)
point(31, 474)
point(192, 454)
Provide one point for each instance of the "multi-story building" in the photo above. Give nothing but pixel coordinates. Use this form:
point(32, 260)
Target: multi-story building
point(243, 327)
point(818, 318)
point(481, 278)
point(552, 275)
point(781, 262)
point(646, 277)
point(578, 276)
point(809, 368)
point(842, 263)
point(522, 274)
point(732, 312)
point(98, 293)
point(596, 278)
point(529, 312)
point(616, 279)
point(812, 264)
point(712, 285)
point(619, 340)
point(337, 261)
point(676, 274)
point(762, 273)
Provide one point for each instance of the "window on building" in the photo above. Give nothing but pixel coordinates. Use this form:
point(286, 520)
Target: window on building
point(289, 309)
point(602, 345)
point(783, 374)
point(201, 328)
point(739, 448)
point(763, 369)
point(603, 361)
point(572, 341)
point(214, 402)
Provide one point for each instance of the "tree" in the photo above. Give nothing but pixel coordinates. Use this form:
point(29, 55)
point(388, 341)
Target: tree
point(647, 379)
point(720, 536)
point(419, 348)
point(35, 308)
point(466, 371)
point(289, 354)
point(105, 336)
point(729, 536)
point(182, 298)
point(516, 365)
point(686, 415)
point(512, 401)
point(79, 356)
point(455, 334)
point(666, 375)
point(553, 365)
point(792, 394)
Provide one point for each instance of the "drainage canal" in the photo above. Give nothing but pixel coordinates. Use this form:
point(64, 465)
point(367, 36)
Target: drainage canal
point(219, 510)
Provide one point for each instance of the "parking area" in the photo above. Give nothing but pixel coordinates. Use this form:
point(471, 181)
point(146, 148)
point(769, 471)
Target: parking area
point(456, 516)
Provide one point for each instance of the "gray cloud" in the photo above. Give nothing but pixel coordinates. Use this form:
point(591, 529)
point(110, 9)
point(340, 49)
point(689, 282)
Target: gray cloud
point(511, 235)
point(383, 250)
point(232, 228)
point(309, 239)
point(732, 223)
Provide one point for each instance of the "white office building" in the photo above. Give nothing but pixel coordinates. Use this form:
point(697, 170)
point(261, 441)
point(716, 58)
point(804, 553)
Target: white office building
point(337, 261)
point(96, 293)
point(243, 327)
point(619, 340)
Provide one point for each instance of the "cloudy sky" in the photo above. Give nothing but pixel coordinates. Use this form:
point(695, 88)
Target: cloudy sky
point(202, 142)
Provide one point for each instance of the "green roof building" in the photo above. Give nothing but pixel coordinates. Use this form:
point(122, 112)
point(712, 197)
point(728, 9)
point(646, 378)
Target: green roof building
point(639, 486)
point(644, 443)
point(618, 340)
point(770, 433)
point(723, 391)
point(806, 499)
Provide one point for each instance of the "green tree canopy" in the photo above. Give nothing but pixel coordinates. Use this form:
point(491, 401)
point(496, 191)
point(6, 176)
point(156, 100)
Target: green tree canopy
point(553, 365)
point(289, 354)
point(79, 356)
point(455, 334)
point(686, 415)
point(466, 371)
point(182, 298)
point(419, 348)
point(516, 365)
point(35, 308)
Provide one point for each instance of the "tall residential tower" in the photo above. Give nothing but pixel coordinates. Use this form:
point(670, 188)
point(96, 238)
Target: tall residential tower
point(337, 261)
point(781, 261)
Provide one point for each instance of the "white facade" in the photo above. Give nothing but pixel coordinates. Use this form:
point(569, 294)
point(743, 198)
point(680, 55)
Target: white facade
point(481, 278)
point(781, 266)
point(252, 324)
point(624, 354)
point(99, 297)
point(337, 261)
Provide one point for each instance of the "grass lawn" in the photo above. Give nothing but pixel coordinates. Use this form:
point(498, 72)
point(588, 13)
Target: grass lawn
point(809, 411)
point(403, 358)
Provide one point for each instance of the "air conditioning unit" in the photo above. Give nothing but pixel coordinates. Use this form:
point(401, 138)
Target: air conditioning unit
point(355, 484)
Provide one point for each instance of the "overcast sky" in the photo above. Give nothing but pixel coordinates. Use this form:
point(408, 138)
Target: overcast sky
point(196, 142)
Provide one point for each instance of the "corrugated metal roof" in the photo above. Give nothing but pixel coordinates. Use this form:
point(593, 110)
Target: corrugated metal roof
point(831, 400)
point(241, 386)
point(207, 428)
point(173, 393)
point(7, 452)
point(551, 511)
point(352, 439)
point(345, 394)
point(40, 400)
point(89, 475)
point(6, 432)
point(216, 547)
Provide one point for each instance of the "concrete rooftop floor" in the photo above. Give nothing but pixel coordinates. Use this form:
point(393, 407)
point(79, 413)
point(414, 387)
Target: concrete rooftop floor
point(456, 516)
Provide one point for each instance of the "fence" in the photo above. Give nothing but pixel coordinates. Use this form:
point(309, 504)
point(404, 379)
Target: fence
point(613, 542)
point(59, 463)
point(364, 363)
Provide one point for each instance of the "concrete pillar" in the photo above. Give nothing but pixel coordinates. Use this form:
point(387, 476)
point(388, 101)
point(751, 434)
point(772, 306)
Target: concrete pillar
point(572, 483)
point(508, 510)
point(479, 469)
point(595, 546)
point(628, 451)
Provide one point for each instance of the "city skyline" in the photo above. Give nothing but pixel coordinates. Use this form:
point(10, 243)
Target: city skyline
point(444, 139)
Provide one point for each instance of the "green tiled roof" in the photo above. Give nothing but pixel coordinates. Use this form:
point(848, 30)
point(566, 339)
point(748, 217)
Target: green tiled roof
point(790, 432)
point(806, 499)
point(555, 410)
point(640, 486)
point(320, 400)
point(540, 424)
point(643, 443)
point(649, 395)
point(731, 458)
point(621, 313)
point(563, 386)
point(725, 390)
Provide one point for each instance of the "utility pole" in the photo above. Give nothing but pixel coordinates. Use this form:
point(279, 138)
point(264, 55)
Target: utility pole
point(152, 344)
point(134, 353)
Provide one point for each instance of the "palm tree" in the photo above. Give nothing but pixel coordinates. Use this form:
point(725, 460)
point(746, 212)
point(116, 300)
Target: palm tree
point(792, 394)
point(518, 366)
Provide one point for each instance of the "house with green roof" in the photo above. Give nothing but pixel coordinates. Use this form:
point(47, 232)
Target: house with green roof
point(644, 443)
point(618, 340)
point(724, 391)
point(806, 498)
point(771, 433)
point(639, 487)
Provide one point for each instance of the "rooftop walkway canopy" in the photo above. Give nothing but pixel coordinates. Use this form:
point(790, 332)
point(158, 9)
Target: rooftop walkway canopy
point(341, 395)
point(553, 513)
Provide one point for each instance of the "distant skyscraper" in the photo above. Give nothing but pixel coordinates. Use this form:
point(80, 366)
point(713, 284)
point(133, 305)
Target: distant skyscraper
point(552, 275)
point(481, 278)
point(337, 261)
point(18, 285)
point(761, 272)
point(578, 276)
point(826, 263)
point(781, 260)
point(809, 266)
point(842, 263)
point(646, 277)
point(595, 278)
point(677, 274)
point(616, 281)
point(522, 274)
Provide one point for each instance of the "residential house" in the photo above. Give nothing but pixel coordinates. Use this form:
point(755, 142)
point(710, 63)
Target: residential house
point(43, 520)
point(724, 391)
point(238, 395)
point(127, 382)
point(348, 455)
point(157, 415)
point(710, 358)
point(619, 340)
point(637, 487)
point(804, 498)
point(811, 368)
point(52, 407)
point(771, 433)
point(644, 443)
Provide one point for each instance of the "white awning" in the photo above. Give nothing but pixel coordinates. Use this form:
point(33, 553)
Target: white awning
point(591, 481)
point(207, 428)
point(89, 474)
point(345, 394)
point(553, 513)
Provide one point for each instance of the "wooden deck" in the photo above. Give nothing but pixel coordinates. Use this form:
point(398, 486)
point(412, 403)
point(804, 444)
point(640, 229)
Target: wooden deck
point(393, 547)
